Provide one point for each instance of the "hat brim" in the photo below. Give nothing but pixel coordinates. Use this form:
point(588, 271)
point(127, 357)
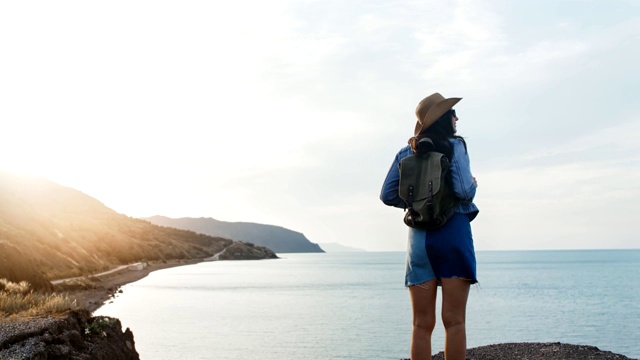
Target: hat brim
point(434, 114)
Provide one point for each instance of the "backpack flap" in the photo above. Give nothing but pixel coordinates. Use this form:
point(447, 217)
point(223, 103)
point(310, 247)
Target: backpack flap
point(422, 187)
point(415, 171)
point(408, 179)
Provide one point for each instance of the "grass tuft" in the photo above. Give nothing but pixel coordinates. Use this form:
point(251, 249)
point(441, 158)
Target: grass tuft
point(9, 287)
point(19, 300)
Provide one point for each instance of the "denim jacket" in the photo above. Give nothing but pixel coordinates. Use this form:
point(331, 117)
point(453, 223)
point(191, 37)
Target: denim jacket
point(463, 185)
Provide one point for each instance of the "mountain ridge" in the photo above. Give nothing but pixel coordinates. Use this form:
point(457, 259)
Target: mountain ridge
point(277, 238)
point(49, 231)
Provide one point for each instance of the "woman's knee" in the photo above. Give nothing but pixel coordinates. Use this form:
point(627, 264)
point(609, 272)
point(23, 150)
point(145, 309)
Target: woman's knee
point(423, 303)
point(452, 319)
point(454, 302)
point(424, 322)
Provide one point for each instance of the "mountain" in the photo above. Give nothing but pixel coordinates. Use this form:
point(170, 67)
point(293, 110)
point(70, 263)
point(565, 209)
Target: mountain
point(335, 247)
point(48, 231)
point(276, 238)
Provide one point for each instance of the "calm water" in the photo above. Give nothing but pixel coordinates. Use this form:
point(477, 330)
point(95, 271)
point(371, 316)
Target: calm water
point(354, 305)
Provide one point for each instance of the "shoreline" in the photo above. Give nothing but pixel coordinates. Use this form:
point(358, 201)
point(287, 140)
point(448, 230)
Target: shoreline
point(107, 286)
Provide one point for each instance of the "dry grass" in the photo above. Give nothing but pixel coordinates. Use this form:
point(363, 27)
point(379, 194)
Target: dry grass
point(6, 286)
point(19, 300)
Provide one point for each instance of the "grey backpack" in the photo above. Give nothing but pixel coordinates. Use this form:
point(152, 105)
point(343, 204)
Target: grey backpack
point(425, 187)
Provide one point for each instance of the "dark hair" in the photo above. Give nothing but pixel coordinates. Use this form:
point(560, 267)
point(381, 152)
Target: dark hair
point(439, 132)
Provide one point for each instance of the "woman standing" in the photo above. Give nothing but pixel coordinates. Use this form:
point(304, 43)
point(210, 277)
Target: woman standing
point(444, 256)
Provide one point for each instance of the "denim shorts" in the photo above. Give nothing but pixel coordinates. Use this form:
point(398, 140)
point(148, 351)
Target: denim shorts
point(446, 252)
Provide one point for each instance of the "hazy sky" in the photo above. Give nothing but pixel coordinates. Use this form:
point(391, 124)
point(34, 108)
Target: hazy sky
point(290, 112)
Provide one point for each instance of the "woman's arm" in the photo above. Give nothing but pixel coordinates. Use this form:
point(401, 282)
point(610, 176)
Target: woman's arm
point(464, 184)
point(389, 193)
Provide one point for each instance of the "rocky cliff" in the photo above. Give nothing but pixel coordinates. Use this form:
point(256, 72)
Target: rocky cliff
point(538, 351)
point(75, 335)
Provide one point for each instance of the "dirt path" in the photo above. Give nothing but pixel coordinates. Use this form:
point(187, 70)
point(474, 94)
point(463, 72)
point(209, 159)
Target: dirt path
point(119, 268)
point(216, 257)
point(108, 283)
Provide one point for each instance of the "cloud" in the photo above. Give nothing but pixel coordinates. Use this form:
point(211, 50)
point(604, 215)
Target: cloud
point(562, 206)
point(298, 107)
point(618, 144)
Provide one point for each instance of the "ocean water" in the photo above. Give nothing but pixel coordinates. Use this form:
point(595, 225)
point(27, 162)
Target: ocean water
point(354, 305)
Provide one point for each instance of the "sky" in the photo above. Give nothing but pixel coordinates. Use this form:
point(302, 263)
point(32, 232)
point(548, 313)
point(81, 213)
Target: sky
point(290, 112)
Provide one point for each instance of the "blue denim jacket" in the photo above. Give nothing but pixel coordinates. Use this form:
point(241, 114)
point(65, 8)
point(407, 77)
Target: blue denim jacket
point(463, 185)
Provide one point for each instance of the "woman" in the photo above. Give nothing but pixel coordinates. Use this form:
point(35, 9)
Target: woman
point(444, 256)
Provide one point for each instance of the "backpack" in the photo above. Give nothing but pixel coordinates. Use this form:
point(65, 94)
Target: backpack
point(425, 186)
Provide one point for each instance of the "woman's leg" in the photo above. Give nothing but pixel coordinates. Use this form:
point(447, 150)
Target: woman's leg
point(454, 304)
point(423, 303)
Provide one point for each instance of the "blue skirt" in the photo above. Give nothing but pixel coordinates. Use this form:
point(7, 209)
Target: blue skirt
point(446, 252)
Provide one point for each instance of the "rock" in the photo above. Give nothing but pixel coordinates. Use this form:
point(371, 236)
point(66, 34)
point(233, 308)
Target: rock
point(75, 336)
point(537, 351)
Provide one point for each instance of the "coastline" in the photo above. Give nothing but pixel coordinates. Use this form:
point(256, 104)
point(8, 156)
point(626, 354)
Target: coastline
point(107, 286)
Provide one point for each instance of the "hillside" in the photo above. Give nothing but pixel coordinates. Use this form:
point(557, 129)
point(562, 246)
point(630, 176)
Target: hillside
point(49, 231)
point(276, 238)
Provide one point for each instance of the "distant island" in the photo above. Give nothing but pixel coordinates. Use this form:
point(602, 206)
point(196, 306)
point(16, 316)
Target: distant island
point(276, 238)
point(335, 247)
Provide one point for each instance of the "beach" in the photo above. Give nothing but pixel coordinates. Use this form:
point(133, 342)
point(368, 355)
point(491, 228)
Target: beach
point(107, 286)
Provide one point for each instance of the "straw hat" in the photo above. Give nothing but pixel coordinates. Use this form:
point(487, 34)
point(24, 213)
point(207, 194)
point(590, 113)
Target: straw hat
point(430, 109)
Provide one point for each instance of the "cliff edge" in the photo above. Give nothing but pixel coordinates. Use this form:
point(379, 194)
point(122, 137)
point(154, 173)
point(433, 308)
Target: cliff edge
point(538, 351)
point(75, 335)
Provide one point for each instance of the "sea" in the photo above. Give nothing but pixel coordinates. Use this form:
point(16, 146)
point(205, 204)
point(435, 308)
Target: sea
point(354, 305)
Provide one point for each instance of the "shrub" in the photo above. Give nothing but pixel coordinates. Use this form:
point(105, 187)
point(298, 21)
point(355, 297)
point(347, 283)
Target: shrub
point(20, 300)
point(99, 325)
point(9, 287)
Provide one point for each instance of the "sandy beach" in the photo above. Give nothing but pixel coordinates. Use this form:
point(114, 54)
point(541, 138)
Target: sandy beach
point(108, 285)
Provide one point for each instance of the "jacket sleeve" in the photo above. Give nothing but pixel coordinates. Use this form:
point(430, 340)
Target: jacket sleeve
point(389, 194)
point(463, 185)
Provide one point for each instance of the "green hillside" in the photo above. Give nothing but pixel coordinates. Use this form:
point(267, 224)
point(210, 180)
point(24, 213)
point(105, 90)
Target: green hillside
point(49, 231)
